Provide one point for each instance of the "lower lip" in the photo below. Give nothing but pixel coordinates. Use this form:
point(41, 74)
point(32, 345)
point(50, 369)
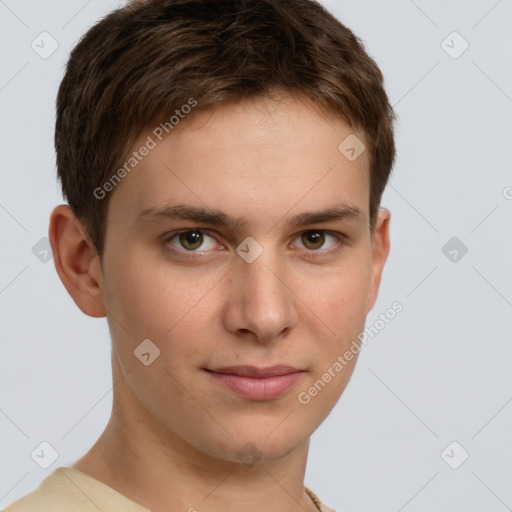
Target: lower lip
point(258, 388)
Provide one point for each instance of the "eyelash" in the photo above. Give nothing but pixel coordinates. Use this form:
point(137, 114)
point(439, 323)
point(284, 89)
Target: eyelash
point(314, 254)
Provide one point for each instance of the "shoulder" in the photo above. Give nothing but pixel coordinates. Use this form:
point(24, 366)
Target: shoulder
point(321, 506)
point(325, 508)
point(45, 498)
point(68, 489)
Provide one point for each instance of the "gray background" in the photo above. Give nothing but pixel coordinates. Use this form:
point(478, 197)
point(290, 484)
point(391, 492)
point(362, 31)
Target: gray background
point(438, 373)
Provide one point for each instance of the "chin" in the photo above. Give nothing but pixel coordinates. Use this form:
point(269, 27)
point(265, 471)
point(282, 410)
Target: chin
point(255, 445)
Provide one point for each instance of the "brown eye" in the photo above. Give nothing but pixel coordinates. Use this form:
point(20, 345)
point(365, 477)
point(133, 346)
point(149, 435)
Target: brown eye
point(191, 239)
point(313, 239)
point(188, 242)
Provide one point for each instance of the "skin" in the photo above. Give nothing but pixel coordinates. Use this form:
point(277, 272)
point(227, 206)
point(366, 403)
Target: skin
point(174, 434)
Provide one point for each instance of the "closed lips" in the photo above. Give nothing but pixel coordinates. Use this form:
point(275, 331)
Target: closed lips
point(252, 371)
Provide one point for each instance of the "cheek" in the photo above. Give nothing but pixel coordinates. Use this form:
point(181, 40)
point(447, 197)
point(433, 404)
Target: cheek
point(150, 300)
point(340, 297)
point(340, 307)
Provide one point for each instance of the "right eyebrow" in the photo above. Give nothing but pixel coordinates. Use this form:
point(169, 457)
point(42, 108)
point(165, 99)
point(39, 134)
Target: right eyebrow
point(182, 211)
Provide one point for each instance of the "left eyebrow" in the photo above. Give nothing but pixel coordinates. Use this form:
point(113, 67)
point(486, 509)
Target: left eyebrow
point(180, 211)
point(337, 212)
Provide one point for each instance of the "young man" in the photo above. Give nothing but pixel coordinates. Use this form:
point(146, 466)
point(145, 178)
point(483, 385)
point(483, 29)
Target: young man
point(224, 162)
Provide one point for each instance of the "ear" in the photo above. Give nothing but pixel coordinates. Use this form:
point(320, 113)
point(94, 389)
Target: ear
point(76, 260)
point(380, 250)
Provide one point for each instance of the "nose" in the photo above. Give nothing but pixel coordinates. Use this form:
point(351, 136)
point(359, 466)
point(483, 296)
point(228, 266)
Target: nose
point(260, 301)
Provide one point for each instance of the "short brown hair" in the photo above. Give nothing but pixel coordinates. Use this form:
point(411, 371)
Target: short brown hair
point(140, 63)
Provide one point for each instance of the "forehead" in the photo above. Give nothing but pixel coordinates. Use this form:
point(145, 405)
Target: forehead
point(248, 159)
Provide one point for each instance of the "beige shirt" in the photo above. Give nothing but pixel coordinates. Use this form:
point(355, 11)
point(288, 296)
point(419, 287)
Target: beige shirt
point(70, 490)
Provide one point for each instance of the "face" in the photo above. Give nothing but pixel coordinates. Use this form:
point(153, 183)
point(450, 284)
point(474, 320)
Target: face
point(214, 254)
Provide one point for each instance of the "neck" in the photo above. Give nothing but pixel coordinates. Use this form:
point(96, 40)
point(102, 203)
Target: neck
point(148, 463)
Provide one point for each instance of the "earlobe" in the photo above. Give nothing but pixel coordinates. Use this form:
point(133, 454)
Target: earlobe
point(380, 252)
point(76, 261)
